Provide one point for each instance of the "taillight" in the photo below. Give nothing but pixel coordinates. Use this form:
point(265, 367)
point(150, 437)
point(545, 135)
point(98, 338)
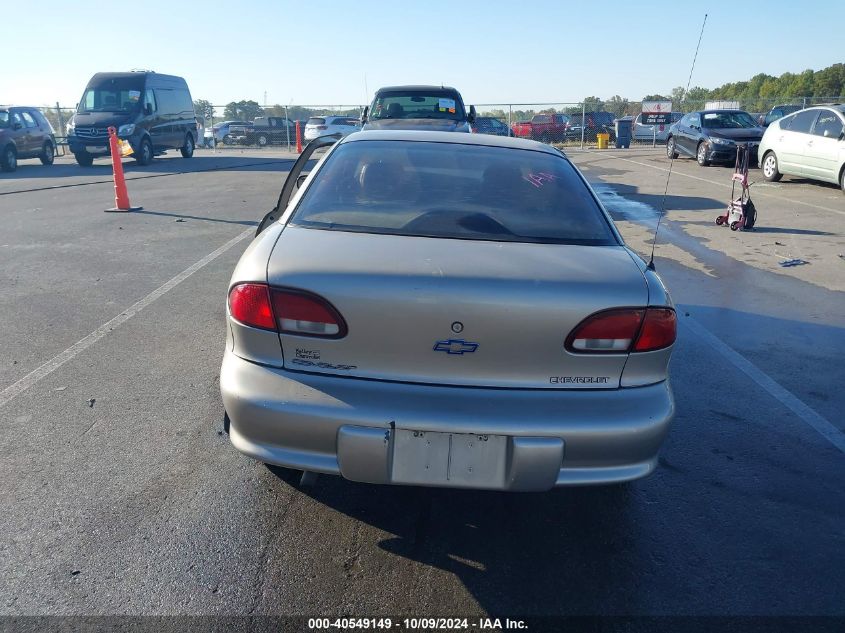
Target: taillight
point(285, 311)
point(305, 314)
point(659, 330)
point(623, 330)
point(250, 304)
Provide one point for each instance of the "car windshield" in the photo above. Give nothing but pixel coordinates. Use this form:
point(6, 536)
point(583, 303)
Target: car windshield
point(115, 95)
point(4, 118)
point(417, 105)
point(453, 190)
point(727, 120)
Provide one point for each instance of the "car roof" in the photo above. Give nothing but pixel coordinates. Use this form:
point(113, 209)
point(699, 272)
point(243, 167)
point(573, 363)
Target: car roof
point(830, 106)
point(719, 110)
point(456, 138)
point(415, 87)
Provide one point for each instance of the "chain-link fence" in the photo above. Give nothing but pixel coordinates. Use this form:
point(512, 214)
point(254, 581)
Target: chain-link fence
point(581, 124)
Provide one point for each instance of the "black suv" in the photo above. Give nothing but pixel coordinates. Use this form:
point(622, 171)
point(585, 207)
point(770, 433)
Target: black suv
point(25, 133)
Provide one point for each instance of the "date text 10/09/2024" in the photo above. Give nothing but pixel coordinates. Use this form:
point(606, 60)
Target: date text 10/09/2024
point(411, 624)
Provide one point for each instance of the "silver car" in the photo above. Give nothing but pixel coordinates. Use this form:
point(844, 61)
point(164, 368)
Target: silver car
point(644, 132)
point(438, 309)
point(809, 144)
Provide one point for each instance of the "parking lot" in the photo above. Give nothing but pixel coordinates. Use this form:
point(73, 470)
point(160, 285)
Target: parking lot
point(123, 495)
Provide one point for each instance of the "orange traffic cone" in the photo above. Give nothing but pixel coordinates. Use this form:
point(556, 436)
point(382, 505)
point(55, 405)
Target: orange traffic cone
point(298, 138)
point(121, 196)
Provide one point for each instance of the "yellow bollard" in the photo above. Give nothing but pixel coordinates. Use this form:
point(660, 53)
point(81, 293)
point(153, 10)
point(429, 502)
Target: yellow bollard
point(603, 139)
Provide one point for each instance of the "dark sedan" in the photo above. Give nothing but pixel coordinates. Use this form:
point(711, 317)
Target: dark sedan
point(490, 125)
point(711, 136)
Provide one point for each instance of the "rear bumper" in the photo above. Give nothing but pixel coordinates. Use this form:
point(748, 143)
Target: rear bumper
point(351, 427)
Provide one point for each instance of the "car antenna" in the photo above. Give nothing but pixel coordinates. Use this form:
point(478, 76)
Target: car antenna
point(650, 265)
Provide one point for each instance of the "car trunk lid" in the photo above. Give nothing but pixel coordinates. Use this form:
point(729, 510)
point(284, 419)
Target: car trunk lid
point(455, 312)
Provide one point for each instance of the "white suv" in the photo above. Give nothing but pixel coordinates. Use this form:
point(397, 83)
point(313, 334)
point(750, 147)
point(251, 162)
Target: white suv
point(809, 144)
point(329, 126)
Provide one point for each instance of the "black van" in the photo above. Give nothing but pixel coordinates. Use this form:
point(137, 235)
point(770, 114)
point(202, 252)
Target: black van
point(153, 112)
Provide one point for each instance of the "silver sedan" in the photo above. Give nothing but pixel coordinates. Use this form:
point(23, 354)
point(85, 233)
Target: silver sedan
point(434, 309)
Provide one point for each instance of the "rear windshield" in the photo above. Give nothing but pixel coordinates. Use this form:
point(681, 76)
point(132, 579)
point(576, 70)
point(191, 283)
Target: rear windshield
point(453, 190)
point(417, 105)
point(315, 121)
point(4, 118)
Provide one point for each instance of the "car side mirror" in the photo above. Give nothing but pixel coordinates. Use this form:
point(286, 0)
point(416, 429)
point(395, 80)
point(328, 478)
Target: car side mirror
point(300, 180)
point(16, 125)
point(364, 114)
point(148, 109)
point(471, 115)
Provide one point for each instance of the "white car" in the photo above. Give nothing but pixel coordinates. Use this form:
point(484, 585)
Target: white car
point(809, 143)
point(329, 126)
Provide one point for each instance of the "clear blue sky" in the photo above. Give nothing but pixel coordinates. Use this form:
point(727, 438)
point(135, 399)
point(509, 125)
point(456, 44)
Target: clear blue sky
point(494, 52)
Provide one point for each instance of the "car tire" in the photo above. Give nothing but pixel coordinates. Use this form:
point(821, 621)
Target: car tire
point(9, 158)
point(48, 153)
point(227, 140)
point(842, 179)
point(83, 159)
point(144, 155)
point(769, 167)
point(670, 148)
point(263, 141)
point(227, 423)
point(187, 149)
point(701, 154)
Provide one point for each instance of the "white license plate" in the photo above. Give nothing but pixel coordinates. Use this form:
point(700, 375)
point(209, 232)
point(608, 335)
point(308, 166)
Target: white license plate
point(449, 459)
point(96, 149)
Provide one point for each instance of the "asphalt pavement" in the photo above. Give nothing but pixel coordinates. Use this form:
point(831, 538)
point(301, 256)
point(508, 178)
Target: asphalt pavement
point(123, 496)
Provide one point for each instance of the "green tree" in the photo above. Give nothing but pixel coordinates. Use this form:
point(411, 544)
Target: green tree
point(242, 110)
point(204, 109)
point(593, 104)
point(619, 106)
point(829, 82)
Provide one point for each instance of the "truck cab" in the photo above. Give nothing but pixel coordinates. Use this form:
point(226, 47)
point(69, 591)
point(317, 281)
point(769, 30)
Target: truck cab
point(433, 108)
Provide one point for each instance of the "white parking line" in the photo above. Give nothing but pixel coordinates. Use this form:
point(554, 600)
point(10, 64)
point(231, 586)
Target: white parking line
point(15, 389)
point(722, 184)
point(785, 397)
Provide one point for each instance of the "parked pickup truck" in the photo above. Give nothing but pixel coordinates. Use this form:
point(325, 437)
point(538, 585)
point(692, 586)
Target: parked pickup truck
point(547, 128)
point(265, 130)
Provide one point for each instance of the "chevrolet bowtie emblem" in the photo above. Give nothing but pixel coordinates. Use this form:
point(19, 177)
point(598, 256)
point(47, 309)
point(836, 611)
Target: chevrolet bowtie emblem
point(455, 346)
